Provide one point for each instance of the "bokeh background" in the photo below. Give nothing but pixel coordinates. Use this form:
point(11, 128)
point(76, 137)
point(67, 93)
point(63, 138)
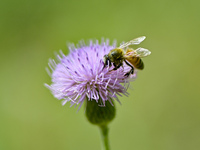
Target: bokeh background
point(163, 110)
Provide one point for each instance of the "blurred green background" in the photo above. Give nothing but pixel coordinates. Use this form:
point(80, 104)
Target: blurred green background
point(163, 110)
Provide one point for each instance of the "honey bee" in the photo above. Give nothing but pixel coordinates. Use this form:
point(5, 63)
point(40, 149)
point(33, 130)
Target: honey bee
point(128, 55)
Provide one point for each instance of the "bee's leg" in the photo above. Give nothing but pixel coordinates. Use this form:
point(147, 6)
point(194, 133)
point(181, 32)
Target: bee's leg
point(131, 71)
point(116, 67)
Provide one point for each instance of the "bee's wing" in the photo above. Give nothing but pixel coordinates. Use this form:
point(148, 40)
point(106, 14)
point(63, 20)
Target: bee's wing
point(133, 42)
point(142, 52)
point(130, 53)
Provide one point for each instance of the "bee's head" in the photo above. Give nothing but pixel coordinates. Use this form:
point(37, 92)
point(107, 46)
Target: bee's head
point(105, 57)
point(106, 60)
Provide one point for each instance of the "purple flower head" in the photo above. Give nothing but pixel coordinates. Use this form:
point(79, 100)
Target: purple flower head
point(81, 75)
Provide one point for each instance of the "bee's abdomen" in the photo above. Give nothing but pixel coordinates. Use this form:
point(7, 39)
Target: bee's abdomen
point(138, 63)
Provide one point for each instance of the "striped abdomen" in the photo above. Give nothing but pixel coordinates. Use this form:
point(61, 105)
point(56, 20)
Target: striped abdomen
point(136, 62)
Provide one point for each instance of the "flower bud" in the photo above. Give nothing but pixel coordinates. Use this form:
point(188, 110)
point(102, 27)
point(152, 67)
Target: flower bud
point(100, 115)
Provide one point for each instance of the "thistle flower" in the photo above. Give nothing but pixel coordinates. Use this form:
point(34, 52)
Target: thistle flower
point(81, 75)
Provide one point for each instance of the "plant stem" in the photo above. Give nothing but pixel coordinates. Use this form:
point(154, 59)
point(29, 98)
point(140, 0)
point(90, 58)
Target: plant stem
point(104, 135)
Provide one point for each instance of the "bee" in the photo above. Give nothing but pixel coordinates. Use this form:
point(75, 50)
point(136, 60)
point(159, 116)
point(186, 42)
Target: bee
point(128, 55)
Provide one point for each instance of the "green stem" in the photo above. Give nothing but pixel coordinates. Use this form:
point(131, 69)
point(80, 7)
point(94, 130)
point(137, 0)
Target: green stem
point(104, 135)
